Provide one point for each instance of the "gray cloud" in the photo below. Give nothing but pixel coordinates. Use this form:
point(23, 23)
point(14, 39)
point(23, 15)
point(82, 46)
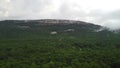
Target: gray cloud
point(61, 9)
point(109, 19)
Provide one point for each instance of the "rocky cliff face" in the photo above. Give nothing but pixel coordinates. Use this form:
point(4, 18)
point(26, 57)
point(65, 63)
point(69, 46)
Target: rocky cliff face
point(48, 21)
point(69, 24)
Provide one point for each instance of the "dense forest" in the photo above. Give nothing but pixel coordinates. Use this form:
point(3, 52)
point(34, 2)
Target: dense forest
point(44, 44)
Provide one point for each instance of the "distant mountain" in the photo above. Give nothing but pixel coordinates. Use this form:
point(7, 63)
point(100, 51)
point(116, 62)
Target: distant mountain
point(46, 27)
point(46, 22)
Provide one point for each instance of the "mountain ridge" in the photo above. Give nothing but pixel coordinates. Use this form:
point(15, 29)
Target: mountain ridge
point(50, 21)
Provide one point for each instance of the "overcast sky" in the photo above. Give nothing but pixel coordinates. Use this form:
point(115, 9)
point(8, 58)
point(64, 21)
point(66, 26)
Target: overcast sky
point(103, 12)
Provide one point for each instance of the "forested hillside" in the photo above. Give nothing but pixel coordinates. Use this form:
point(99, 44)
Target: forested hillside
point(57, 44)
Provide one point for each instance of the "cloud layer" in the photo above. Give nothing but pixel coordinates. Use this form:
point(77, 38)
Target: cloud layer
point(103, 12)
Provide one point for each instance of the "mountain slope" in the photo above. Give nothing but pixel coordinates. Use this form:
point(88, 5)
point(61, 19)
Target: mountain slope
point(57, 44)
point(31, 27)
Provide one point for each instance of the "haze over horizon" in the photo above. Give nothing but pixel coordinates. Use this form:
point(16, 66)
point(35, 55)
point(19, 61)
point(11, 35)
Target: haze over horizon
point(102, 12)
